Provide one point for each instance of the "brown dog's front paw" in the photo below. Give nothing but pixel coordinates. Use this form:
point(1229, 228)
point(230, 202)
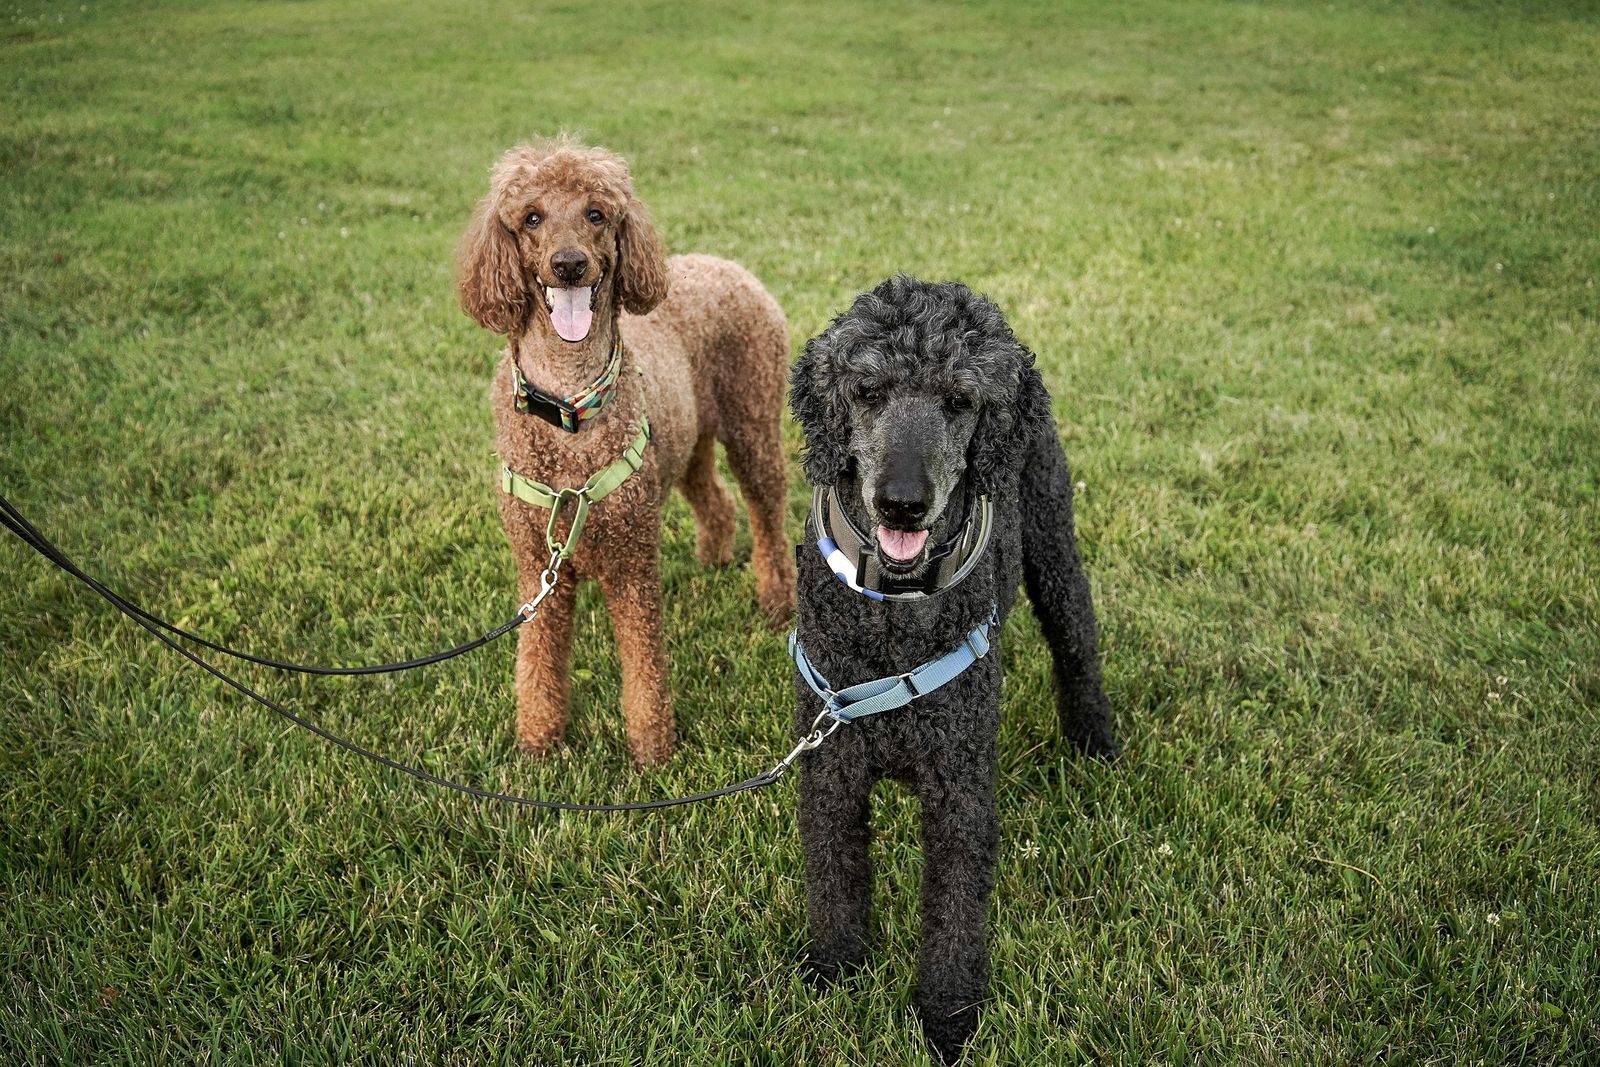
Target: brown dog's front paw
point(652, 751)
point(538, 746)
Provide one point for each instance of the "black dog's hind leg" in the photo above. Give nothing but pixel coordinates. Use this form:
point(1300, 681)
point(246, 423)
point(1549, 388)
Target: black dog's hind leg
point(835, 835)
point(1059, 590)
point(960, 845)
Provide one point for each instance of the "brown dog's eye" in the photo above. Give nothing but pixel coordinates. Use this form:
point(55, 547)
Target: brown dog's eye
point(532, 220)
point(596, 216)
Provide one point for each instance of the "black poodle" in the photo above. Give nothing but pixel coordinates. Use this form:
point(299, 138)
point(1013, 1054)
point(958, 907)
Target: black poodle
point(939, 486)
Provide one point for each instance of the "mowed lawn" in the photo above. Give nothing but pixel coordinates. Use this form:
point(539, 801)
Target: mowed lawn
point(1314, 287)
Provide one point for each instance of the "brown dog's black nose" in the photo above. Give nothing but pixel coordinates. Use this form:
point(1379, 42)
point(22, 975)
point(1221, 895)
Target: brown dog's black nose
point(569, 264)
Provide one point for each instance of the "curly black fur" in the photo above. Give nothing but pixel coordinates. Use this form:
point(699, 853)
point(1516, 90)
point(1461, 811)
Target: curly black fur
point(932, 342)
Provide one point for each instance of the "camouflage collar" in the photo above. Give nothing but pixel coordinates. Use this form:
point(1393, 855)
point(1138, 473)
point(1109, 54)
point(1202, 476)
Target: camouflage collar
point(570, 413)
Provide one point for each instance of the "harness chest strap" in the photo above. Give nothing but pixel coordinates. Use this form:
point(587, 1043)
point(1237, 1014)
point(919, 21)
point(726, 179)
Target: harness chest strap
point(600, 485)
point(897, 690)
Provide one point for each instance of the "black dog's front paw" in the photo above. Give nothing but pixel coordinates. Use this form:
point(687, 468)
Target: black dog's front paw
point(947, 1033)
point(1086, 722)
point(1099, 744)
point(822, 971)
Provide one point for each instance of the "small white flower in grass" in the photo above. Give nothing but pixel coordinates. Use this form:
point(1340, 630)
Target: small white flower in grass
point(1499, 268)
point(303, 221)
point(344, 231)
point(1165, 849)
point(1080, 487)
point(1500, 680)
point(1030, 851)
point(321, 206)
point(1493, 918)
point(282, 235)
point(1430, 229)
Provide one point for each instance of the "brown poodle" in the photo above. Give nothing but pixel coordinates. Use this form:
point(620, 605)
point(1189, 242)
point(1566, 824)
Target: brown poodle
point(562, 259)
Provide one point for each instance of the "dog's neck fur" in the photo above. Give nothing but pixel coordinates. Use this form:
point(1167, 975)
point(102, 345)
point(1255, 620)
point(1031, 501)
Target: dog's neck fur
point(559, 367)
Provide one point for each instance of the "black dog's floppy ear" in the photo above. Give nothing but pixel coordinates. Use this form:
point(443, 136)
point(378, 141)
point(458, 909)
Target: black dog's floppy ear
point(1004, 428)
point(811, 400)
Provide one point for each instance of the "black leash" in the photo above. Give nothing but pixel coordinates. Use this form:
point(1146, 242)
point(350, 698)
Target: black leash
point(161, 630)
point(17, 524)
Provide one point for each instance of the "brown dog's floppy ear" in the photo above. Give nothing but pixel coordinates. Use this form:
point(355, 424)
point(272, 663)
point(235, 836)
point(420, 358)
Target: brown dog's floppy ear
point(641, 262)
point(489, 278)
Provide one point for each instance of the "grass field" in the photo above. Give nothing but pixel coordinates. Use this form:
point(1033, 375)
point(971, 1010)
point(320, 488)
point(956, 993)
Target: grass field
point(1314, 287)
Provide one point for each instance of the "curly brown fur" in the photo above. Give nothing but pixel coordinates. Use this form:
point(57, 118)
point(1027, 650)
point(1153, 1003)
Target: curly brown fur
point(913, 401)
point(706, 355)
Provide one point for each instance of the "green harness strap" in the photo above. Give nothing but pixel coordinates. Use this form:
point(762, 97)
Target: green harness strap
point(600, 484)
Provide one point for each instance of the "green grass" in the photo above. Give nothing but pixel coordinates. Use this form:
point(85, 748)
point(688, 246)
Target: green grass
point(1315, 289)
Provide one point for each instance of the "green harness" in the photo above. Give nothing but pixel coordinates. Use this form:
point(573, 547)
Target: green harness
point(600, 484)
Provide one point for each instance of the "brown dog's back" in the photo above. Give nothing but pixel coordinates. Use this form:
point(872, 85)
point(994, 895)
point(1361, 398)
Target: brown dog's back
point(715, 356)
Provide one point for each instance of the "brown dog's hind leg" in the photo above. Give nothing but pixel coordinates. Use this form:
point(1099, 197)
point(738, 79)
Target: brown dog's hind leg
point(711, 504)
point(633, 597)
point(755, 452)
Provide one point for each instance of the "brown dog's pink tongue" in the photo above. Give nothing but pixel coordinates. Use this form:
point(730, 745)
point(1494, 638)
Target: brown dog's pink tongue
point(901, 544)
point(569, 312)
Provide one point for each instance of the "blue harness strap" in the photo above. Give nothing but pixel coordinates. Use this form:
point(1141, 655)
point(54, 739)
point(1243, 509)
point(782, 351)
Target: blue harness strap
point(897, 690)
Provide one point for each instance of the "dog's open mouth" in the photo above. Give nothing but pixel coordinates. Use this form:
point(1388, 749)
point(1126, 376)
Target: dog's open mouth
point(901, 549)
point(572, 309)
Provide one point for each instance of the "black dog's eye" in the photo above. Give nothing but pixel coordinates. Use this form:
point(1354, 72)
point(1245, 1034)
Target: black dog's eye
point(872, 398)
point(956, 403)
point(595, 216)
point(532, 220)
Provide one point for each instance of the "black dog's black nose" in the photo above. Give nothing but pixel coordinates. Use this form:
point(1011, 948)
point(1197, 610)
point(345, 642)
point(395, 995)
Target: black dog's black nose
point(902, 502)
point(569, 264)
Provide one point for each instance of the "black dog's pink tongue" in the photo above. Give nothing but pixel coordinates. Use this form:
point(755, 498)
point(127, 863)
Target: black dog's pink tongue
point(569, 312)
point(901, 545)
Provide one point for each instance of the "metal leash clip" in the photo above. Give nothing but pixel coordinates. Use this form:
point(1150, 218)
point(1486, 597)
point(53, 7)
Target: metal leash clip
point(807, 743)
point(547, 584)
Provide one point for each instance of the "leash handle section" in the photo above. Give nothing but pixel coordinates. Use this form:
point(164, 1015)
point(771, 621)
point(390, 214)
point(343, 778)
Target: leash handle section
point(13, 520)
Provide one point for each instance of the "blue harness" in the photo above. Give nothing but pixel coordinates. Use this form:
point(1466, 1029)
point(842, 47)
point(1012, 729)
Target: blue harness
point(897, 690)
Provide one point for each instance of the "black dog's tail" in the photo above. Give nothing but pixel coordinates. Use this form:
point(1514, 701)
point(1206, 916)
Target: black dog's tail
point(1059, 590)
